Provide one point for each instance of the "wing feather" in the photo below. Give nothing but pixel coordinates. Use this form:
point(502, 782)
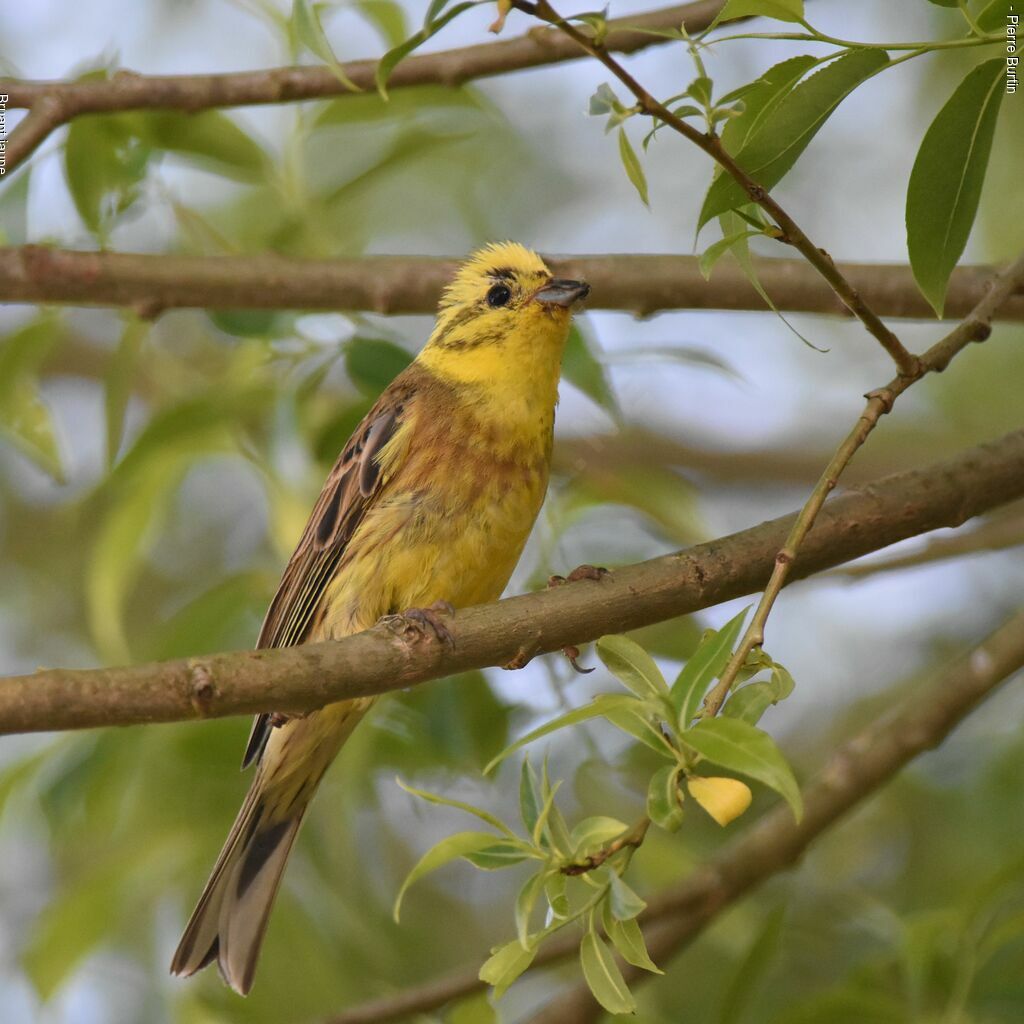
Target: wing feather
point(352, 486)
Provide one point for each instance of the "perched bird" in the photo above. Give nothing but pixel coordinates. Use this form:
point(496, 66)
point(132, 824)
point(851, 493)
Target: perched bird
point(427, 508)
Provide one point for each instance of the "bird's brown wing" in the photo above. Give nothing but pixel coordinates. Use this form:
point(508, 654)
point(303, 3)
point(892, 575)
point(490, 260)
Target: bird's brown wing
point(350, 490)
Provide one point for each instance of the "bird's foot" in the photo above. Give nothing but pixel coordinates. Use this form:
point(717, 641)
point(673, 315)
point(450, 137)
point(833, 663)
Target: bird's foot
point(581, 572)
point(279, 718)
point(414, 623)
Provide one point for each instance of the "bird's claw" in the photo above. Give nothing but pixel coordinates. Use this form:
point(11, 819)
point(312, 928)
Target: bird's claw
point(581, 572)
point(572, 653)
point(279, 718)
point(414, 622)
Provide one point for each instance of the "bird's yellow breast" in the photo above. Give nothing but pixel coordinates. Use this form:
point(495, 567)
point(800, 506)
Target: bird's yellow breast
point(465, 479)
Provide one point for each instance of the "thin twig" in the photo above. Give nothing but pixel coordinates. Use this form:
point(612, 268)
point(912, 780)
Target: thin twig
point(791, 232)
point(127, 90)
point(975, 327)
point(677, 915)
point(632, 839)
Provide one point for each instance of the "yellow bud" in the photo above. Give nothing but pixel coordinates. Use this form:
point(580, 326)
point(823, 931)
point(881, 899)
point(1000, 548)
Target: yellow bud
point(724, 799)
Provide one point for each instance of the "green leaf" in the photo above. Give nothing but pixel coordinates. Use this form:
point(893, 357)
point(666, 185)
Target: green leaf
point(387, 16)
point(372, 363)
point(603, 976)
point(947, 178)
point(598, 708)
point(632, 666)
point(443, 801)
point(623, 902)
point(529, 802)
point(993, 17)
point(664, 805)
point(526, 900)
point(207, 138)
point(500, 855)
point(105, 163)
point(554, 888)
point(603, 101)
point(631, 162)
point(548, 807)
point(452, 848)
point(120, 377)
point(555, 829)
point(784, 133)
point(628, 939)
point(310, 33)
point(750, 702)
point(636, 722)
point(394, 57)
point(505, 965)
point(745, 749)
point(705, 664)
point(713, 253)
point(593, 833)
point(582, 367)
point(780, 10)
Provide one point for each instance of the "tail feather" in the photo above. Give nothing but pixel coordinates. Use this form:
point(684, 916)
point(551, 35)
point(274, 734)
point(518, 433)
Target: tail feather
point(230, 920)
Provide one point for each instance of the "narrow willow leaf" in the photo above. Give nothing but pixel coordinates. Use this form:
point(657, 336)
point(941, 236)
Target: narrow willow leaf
point(208, 138)
point(526, 900)
point(948, 174)
point(447, 850)
point(761, 96)
point(622, 901)
point(505, 965)
point(774, 147)
point(583, 368)
point(373, 363)
point(780, 10)
point(443, 801)
point(593, 833)
point(663, 798)
point(387, 16)
point(545, 814)
point(394, 57)
point(558, 901)
point(119, 380)
point(631, 162)
point(705, 664)
point(556, 829)
point(745, 749)
point(993, 16)
point(529, 802)
point(631, 665)
point(724, 799)
point(628, 939)
point(597, 708)
point(750, 702)
point(603, 976)
point(637, 723)
point(500, 855)
point(311, 34)
point(713, 253)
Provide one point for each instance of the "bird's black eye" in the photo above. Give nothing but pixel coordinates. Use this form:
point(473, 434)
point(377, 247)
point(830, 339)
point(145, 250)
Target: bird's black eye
point(499, 295)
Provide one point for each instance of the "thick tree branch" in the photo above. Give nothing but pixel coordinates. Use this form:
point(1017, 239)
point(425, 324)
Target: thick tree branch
point(976, 327)
point(409, 284)
point(52, 104)
point(306, 677)
point(678, 914)
point(790, 231)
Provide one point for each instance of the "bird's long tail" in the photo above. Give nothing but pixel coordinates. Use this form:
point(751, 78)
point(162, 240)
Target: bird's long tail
point(231, 917)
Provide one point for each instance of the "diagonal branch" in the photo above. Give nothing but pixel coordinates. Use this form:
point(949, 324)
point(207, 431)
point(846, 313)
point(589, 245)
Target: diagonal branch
point(302, 678)
point(52, 104)
point(640, 284)
point(976, 327)
point(792, 233)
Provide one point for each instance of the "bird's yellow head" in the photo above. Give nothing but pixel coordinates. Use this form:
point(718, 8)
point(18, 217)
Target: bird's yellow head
point(502, 317)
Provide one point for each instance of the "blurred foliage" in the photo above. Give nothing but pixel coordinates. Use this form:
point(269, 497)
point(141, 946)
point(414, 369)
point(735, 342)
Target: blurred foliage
point(154, 477)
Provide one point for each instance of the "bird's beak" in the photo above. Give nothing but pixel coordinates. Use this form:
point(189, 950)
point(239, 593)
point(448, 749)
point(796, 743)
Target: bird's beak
point(558, 292)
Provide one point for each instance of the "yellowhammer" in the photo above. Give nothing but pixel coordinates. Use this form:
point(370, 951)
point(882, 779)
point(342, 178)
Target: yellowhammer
point(430, 503)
